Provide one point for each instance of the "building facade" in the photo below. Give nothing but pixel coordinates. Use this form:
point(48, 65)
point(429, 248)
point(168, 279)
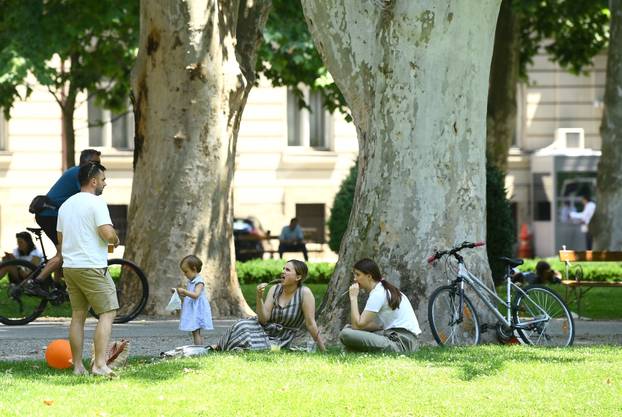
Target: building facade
point(290, 161)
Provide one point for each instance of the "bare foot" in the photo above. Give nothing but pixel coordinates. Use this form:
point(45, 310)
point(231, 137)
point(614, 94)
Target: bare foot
point(105, 371)
point(80, 370)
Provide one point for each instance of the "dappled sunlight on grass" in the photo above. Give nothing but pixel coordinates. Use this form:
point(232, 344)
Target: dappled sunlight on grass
point(428, 382)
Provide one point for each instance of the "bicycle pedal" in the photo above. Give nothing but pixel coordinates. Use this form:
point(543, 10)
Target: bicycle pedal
point(34, 288)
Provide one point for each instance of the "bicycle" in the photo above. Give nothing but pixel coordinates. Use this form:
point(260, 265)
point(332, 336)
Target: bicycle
point(21, 304)
point(536, 313)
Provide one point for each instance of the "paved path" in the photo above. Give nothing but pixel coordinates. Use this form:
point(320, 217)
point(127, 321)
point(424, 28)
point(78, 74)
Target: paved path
point(150, 337)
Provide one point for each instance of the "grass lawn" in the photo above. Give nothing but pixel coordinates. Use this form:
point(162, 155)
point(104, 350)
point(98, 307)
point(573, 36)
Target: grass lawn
point(477, 381)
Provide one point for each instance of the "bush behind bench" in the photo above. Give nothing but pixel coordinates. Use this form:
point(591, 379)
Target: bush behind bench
point(265, 270)
point(592, 271)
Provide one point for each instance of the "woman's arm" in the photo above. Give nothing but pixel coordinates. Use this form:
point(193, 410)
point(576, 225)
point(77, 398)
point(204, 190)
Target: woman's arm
point(308, 311)
point(194, 295)
point(264, 308)
point(366, 321)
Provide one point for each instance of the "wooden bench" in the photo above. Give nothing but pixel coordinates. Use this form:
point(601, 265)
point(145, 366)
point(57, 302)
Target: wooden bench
point(577, 287)
point(312, 246)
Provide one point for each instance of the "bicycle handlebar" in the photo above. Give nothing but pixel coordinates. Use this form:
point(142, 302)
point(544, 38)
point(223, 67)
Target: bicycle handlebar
point(454, 250)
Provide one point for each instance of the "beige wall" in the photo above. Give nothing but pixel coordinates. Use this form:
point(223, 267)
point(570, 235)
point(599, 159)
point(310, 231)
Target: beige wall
point(271, 178)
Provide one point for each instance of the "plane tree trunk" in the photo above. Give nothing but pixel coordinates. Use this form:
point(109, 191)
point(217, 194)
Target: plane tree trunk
point(194, 70)
point(415, 76)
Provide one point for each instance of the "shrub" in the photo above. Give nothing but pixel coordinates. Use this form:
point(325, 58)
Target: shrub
point(592, 271)
point(500, 229)
point(342, 206)
point(265, 270)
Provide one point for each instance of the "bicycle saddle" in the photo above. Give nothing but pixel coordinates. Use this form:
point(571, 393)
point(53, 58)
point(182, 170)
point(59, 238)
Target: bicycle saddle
point(510, 261)
point(34, 230)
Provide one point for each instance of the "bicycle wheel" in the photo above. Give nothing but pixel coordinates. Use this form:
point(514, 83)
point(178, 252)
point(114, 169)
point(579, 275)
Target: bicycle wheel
point(449, 325)
point(530, 312)
point(16, 305)
point(132, 289)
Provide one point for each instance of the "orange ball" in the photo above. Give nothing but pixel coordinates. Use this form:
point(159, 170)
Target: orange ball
point(58, 354)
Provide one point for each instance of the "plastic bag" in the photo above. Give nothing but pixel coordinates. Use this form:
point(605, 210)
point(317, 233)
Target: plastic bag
point(186, 351)
point(174, 303)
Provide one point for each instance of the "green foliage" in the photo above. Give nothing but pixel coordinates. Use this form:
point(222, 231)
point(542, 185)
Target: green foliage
point(572, 31)
point(288, 57)
point(500, 229)
point(68, 46)
point(265, 270)
point(592, 271)
point(340, 212)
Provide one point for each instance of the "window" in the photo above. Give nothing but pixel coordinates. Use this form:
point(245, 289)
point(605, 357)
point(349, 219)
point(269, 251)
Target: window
point(108, 129)
point(308, 127)
point(4, 132)
point(542, 196)
point(312, 220)
point(118, 215)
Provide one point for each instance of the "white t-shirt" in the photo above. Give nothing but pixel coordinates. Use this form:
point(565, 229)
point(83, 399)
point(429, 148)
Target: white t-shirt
point(78, 220)
point(35, 252)
point(402, 317)
point(585, 216)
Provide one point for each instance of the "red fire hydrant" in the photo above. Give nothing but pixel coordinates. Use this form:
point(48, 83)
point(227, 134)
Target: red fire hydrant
point(524, 242)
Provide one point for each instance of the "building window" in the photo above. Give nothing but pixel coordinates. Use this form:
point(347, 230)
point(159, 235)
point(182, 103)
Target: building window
point(312, 220)
point(4, 132)
point(118, 215)
point(110, 130)
point(308, 127)
point(542, 196)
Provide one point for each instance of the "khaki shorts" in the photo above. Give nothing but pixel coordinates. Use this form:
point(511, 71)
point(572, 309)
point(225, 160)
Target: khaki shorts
point(91, 287)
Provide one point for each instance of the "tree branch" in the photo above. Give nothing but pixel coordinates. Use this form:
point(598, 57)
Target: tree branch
point(252, 17)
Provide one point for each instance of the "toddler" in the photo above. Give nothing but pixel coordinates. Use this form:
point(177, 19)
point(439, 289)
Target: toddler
point(196, 313)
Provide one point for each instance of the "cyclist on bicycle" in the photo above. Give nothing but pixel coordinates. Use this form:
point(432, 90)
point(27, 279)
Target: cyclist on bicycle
point(66, 186)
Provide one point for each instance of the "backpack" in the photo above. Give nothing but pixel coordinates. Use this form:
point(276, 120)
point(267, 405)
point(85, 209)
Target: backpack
point(40, 203)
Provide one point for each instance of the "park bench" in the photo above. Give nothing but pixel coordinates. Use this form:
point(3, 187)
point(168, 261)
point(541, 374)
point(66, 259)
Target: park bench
point(312, 246)
point(576, 287)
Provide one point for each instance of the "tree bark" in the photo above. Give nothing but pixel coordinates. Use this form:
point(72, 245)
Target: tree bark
point(68, 110)
point(194, 70)
point(501, 116)
point(415, 76)
point(607, 223)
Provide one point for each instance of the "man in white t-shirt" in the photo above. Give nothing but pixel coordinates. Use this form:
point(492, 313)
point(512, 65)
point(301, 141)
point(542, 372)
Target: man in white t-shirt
point(585, 217)
point(84, 232)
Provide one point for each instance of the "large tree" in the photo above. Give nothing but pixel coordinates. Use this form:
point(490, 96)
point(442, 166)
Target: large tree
point(607, 224)
point(415, 77)
point(195, 68)
point(68, 46)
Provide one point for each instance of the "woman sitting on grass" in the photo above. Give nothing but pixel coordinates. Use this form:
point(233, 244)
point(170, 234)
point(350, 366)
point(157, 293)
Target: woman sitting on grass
point(286, 307)
point(388, 322)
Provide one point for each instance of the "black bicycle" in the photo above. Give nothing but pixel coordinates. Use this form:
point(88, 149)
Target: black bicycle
point(21, 302)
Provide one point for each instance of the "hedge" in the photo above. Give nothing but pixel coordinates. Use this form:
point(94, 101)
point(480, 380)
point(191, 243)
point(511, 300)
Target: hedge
point(592, 271)
point(258, 270)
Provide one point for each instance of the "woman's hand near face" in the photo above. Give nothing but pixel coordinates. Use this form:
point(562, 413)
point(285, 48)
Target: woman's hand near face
point(354, 290)
point(261, 288)
point(263, 308)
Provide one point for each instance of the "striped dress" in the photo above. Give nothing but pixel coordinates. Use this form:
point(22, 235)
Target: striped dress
point(280, 330)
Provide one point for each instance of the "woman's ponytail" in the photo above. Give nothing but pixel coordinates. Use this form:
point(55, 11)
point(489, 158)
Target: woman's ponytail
point(367, 266)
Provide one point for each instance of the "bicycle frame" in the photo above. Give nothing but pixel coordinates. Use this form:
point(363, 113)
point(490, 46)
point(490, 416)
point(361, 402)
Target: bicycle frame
point(484, 293)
